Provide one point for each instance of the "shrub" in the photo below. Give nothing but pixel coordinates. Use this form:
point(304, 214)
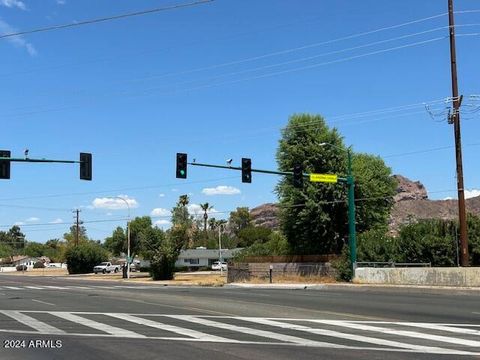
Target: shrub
point(21, 267)
point(39, 265)
point(82, 258)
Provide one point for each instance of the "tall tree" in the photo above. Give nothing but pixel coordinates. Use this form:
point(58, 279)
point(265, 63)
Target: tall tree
point(314, 218)
point(239, 219)
point(205, 208)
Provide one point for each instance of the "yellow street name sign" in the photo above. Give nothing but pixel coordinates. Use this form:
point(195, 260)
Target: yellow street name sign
point(326, 178)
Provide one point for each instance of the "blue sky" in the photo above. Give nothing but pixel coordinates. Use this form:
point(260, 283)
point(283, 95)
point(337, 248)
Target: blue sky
point(219, 81)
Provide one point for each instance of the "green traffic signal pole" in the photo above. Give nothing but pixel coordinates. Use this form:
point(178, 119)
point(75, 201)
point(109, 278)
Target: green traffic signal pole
point(351, 215)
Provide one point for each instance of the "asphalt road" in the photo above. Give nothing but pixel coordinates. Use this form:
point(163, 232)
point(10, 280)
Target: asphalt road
point(59, 318)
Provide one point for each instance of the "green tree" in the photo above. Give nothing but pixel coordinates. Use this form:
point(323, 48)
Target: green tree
point(205, 208)
point(314, 218)
point(34, 249)
point(116, 243)
point(253, 234)
point(70, 237)
point(239, 219)
point(82, 258)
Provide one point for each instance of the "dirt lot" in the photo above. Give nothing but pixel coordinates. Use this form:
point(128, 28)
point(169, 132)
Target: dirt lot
point(39, 272)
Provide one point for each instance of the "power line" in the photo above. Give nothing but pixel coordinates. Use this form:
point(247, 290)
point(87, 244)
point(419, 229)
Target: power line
point(119, 190)
point(105, 19)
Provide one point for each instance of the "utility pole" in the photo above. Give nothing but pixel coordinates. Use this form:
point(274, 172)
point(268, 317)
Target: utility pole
point(77, 225)
point(455, 119)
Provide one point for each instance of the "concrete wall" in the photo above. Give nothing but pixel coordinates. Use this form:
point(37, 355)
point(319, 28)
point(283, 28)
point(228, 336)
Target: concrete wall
point(469, 277)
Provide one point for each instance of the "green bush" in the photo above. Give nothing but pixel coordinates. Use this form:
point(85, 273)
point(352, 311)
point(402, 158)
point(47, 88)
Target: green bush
point(39, 265)
point(82, 258)
point(162, 265)
point(277, 245)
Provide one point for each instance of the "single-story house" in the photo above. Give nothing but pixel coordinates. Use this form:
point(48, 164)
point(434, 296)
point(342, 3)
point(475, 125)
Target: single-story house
point(29, 261)
point(203, 257)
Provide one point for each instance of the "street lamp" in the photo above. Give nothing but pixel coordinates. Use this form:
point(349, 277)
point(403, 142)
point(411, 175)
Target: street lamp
point(128, 235)
point(351, 207)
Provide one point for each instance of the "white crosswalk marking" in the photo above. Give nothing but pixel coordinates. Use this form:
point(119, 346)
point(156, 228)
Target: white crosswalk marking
point(440, 327)
point(34, 287)
point(340, 335)
point(178, 330)
point(13, 287)
point(245, 330)
point(41, 327)
point(54, 287)
point(413, 334)
point(96, 325)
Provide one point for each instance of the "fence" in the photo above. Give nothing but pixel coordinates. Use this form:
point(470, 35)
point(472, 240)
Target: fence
point(238, 272)
point(380, 264)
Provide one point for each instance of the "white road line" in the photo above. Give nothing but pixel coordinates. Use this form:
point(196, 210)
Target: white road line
point(97, 325)
point(78, 287)
point(413, 334)
point(34, 287)
point(440, 327)
point(43, 302)
point(178, 330)
point(336, 334)
point(13, 288)
point(39, 326)
point(255, 332)
point(54, 287)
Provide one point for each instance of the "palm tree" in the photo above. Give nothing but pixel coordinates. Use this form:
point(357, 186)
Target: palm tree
point(205, 207)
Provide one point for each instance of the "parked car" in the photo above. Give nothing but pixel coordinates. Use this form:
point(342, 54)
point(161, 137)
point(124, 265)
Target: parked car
point(217, 265)
point(106, 267)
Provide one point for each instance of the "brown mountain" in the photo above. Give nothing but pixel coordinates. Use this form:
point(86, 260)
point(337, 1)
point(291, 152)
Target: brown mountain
point(411, 204)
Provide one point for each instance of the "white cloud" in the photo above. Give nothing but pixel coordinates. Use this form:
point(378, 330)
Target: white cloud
point(14, 3)
point(61, 2)
point(472, 193)
point(161, 195)
point(32, 219)
point(114, 203)
point(221, 190)
point(448, 198)
point(18, 223)
point(160, 212)
point(18, 40)
point(162, 223)
point(174, 190)
point(56, 221)
point(195, 209)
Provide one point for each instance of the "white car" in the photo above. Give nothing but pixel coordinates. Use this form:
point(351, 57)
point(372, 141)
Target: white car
point(217, 265)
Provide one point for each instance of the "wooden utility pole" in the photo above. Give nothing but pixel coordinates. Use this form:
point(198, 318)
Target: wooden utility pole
point(77, 226)
point(455, 119)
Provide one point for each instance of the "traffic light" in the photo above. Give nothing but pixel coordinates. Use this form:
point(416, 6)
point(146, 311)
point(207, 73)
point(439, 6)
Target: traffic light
point(246, 170)
point(298, 176)
point(5, 164)
point(181, 166)
point(85, 166)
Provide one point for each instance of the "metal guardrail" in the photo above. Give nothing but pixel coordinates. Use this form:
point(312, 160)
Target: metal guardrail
point(392, 264)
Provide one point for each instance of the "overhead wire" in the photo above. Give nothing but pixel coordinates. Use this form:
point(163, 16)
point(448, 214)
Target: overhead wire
point(105, 19)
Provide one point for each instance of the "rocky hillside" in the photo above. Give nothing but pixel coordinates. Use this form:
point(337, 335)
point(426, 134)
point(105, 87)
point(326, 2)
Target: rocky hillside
point(411, 203)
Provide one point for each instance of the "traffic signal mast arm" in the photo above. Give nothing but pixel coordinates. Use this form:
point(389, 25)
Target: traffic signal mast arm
point(85, 163)
point(40, 160)
point(288, 173)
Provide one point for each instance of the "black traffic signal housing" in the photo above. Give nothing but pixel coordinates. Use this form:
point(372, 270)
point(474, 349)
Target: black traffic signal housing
point(181, 166)
point(86, 166)
point(5, 164)
point(246, 170)
point(298, 176)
